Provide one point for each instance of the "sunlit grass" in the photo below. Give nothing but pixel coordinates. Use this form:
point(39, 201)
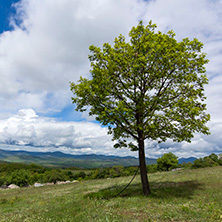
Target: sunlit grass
point(187, 195)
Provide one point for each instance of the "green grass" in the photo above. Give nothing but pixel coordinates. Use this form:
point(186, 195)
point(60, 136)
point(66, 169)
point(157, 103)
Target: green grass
point(187, 195)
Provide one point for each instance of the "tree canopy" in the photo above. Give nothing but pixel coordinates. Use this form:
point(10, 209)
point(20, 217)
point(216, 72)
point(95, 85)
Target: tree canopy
point(167, 161)
point(151, 87)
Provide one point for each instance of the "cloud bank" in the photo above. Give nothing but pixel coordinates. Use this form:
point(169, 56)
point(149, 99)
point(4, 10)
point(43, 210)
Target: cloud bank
point(27, 131)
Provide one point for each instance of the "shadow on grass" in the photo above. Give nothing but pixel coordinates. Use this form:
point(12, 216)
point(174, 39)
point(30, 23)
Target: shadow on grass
point(161, 190)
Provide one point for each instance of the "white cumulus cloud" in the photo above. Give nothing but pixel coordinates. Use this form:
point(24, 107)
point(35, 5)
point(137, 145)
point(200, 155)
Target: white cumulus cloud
point(26, 128)
point(48, 47)
point(27, 131)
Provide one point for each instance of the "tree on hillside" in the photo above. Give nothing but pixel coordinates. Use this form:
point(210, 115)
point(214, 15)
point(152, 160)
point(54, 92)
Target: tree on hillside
point(167, 161)
point(215, 158)
point(208, 161)
point(151, 87)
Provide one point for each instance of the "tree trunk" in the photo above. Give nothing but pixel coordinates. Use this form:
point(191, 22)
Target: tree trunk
point(143, 171)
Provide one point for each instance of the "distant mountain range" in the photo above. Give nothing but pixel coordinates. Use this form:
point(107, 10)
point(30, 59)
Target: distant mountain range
point(186, 160)
point(59, 159)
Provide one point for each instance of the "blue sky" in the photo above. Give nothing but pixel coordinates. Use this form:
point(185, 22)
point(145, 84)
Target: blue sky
point(48, 48)
point(5, 12)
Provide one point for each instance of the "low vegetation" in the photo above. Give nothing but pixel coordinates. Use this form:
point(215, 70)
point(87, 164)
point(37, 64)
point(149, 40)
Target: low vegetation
point(185, 195)
point(208, 161)
point(24, 174)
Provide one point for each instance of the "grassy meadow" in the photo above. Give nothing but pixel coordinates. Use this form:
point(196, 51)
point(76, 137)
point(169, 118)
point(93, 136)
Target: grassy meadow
point(186, 195)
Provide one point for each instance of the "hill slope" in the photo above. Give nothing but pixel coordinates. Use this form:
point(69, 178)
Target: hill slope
point(59, 159)
point(187, 195)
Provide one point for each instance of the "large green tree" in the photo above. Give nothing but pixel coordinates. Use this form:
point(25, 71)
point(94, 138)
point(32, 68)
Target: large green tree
point(151, 87)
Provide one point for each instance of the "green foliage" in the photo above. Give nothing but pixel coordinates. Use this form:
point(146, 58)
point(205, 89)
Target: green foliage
point(80, 175)
point(53, 176)
point(100, 173)
point(112, 172)
point(209, 161)
point(198, 163)
point(29, 174)
point(216, 159)
point(19, 177)
point(148, 88)
point(167, 161)
point(186, 165)
point(10, 167)
point(116, 171)
point(24, 174)
point(152, 168)
point(2, 181)
point(20, 174)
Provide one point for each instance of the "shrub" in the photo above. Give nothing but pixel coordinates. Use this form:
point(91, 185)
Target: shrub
point(152, 168)
point(116, 171)
point(208, 161)
point(80, 175)
point(19, 177)
point(167, 161)
point(53, 176)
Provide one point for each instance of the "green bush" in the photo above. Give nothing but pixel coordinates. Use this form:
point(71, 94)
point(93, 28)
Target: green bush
point(116, 171)
point(2, 180)
point(152, 168)
point(167, 161)
point(130, 170)
point(186, 165)
point(208, 161)
point(80, 175)
point(53, 176)
point(19, 177)
point(216, 159)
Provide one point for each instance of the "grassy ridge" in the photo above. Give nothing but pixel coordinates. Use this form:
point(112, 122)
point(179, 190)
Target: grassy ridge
point(59, 159)
point(187, 195)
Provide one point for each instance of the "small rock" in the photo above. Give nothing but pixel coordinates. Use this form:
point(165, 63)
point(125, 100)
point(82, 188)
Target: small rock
point(176, 169)
point(49, 184)
point(38, 185)
point(13, 186)
point(60, 182)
